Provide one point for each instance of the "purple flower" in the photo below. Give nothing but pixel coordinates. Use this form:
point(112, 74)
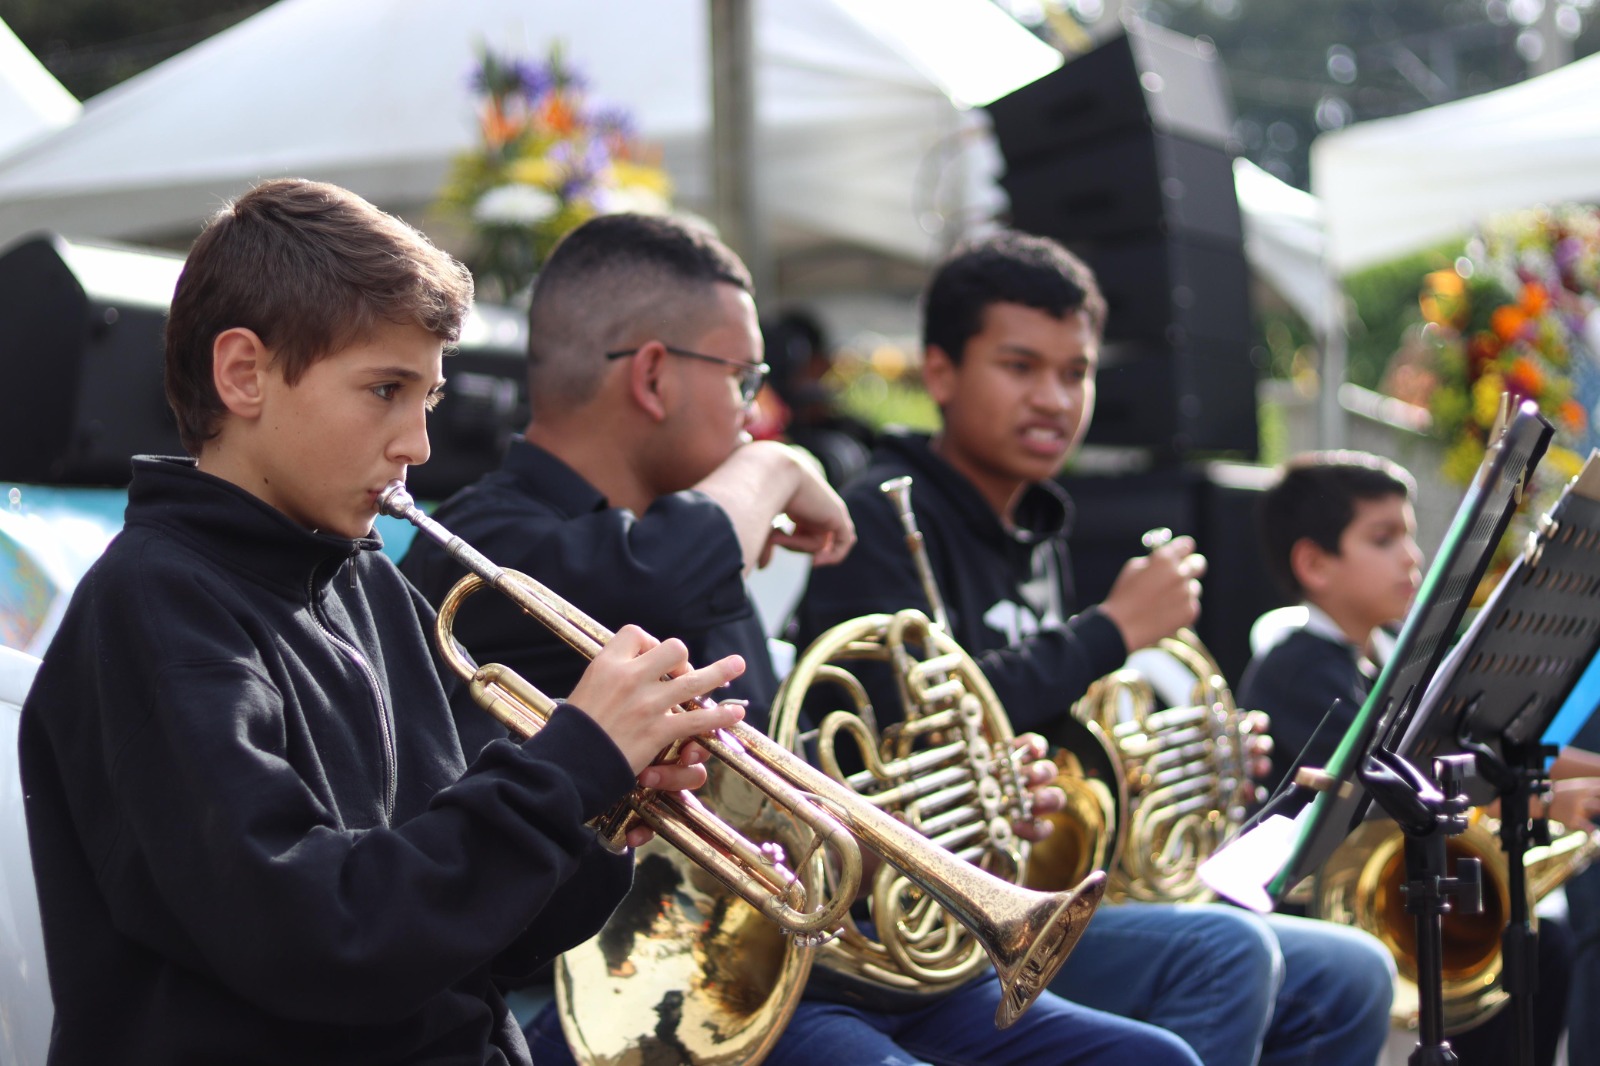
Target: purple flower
point(535, 78)
point(615, 121)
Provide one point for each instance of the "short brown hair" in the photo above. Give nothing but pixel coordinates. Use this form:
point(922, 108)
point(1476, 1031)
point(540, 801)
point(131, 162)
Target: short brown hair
point(311, 269)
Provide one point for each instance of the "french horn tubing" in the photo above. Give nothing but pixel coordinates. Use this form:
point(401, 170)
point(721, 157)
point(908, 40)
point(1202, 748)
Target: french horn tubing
point(947, 769)
point(1026, 934)
point(1181, 743)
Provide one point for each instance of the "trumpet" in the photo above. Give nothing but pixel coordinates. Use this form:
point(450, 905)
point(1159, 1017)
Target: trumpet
point(1026, 934)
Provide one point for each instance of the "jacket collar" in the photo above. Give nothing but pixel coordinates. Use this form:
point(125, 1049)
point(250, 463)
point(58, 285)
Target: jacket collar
point(1044, 511)
point(236, 529)
point(544, 477)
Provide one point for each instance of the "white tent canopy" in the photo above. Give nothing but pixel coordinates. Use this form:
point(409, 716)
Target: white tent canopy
point(32, 102)
point(1392, 186)
point(862, 133)
point(1284, 240)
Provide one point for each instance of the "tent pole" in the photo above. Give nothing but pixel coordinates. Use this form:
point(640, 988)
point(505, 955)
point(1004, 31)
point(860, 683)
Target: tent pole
point(1335, 363)
point(733, 135)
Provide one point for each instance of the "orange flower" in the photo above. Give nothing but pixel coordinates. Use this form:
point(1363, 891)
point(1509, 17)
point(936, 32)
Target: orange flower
point(499, 128)
point(557, 115)
point(1443, 298)
point(1507, 321)
point(1574, 416)
point(1534, 299)
point(1525, 377)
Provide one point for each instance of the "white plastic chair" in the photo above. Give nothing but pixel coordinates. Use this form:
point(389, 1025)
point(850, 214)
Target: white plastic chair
point(25, 1007)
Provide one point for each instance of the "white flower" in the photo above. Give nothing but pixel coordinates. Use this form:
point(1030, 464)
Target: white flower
point(514, 205)
point(617, 200)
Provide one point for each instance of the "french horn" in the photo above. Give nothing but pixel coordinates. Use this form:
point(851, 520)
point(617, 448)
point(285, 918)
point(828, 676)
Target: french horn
point(1360, 885)
point(1181, 747)
point(946, 768)
point(746, 881)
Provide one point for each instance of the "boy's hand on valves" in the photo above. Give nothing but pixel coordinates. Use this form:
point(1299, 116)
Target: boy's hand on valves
point(1158, 594)
point(1031, 753)
point(633, 688)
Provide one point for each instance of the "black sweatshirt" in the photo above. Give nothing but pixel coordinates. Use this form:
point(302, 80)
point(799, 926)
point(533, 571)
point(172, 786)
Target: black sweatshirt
point(250, 828)
point(674, 571)
point(1008, 591)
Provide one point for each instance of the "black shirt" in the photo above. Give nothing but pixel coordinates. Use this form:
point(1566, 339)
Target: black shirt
point(675, 571)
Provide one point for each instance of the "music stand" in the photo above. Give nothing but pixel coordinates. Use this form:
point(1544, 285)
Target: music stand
point(1496, 697)
point(1313, 810)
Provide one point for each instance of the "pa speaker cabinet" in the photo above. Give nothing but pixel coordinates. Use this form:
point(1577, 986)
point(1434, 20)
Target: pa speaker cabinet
point(1214, 503)
point(1124, 156)
point(1137, 181)
point(1148, 78)
point(83, 351)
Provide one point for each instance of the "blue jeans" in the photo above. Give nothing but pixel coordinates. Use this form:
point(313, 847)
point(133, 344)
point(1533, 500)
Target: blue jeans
point(956, 1029)
point(1583, 1021)
point(1239, 988)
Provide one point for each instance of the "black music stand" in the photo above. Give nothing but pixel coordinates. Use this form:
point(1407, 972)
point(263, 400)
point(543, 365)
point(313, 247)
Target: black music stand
point(1314, 809)
point(1528, 660)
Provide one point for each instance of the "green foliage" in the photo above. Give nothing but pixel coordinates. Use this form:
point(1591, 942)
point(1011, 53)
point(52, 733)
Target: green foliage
point(1383, 302)
point(880, 403)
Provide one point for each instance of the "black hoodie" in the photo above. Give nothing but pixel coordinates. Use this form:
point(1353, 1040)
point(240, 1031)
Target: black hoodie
point(1008, 591)
point(254, 832)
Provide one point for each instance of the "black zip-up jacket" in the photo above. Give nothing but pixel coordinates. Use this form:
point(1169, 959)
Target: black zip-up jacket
point(254, 832)
point(1008, 591)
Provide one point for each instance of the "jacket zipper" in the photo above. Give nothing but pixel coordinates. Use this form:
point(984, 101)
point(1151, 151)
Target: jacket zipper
point(385, 724)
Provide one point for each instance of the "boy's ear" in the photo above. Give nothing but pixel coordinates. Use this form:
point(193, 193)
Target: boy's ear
point(939, 374)
point(1308, 561)
point(646, 374)
point(239, 364)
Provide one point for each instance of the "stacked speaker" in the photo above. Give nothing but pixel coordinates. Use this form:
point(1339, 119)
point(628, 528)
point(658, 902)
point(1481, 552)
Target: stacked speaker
point(81, 350)
point(1124, 155)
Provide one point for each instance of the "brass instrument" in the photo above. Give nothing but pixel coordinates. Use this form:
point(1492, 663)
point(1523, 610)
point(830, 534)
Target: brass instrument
point(948, 769)
point(1027, 934)
point(1182, 744)
point(1360, 885)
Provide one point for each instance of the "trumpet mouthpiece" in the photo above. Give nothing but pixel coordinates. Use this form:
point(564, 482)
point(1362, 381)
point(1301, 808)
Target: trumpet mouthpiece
point(394, 500)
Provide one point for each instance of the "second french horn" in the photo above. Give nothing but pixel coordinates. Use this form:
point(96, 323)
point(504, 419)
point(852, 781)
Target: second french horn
point(1182, 746)
point(945, 766)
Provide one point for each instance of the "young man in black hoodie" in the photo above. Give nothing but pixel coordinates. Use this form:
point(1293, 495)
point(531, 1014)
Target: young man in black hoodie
point(258, 832)
point(1011, 338)
point(636, 492)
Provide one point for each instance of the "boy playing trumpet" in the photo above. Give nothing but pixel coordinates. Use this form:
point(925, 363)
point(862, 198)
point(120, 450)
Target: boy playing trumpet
point(259, 834)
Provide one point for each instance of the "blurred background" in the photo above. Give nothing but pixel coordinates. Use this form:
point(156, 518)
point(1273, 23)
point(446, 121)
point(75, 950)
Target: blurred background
point(1353, 223)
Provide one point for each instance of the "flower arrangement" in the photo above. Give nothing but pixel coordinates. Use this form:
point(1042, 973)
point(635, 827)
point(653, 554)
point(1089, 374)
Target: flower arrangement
point(1518, 313)
point(546, 161)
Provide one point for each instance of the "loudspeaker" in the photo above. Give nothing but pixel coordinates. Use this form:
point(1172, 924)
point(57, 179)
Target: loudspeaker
point(83, 328)
point(1212, 502)
point(1124, 156)
point(83, 331)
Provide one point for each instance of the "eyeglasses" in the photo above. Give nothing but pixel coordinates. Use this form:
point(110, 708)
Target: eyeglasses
point(751, 375)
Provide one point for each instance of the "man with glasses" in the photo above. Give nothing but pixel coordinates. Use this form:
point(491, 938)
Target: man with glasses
point(635, 485)
point(636, 494)
point(750, 375)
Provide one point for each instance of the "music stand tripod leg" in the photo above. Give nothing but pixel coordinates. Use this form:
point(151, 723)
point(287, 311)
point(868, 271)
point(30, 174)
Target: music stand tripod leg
point(1429, 816)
